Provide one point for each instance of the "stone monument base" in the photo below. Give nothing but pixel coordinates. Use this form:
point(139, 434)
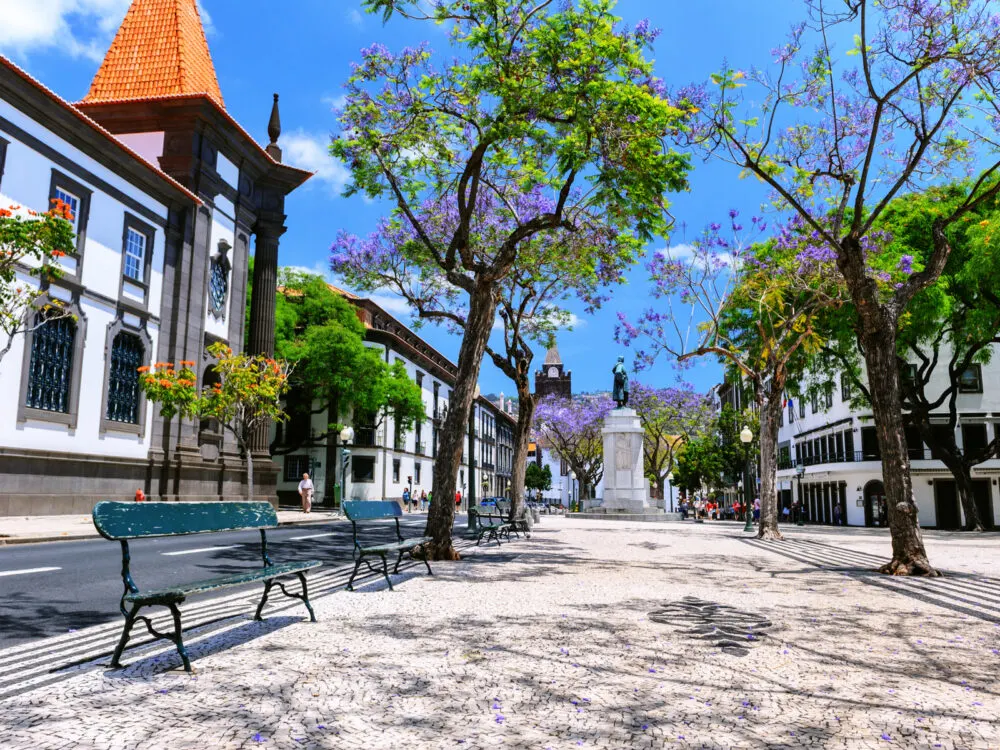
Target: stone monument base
point(626, 489)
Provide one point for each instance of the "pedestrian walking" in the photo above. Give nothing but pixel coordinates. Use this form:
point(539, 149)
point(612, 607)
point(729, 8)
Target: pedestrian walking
point(458, 499)
point(756, 509)
point(406, 499)
point(836, 514)
point(785, 513)
point(423, 500)
point(306, 493)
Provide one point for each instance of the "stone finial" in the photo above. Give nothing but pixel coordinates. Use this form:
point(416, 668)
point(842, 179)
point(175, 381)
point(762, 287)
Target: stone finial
point(274, 131)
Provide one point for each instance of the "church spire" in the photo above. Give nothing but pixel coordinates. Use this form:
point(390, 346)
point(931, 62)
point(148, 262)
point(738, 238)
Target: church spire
point(160, 51)
point(552, 356)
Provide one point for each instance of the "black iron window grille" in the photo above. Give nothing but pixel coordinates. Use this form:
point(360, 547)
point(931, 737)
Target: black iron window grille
point(50, 372)
point(219, 286)
point(127, 353)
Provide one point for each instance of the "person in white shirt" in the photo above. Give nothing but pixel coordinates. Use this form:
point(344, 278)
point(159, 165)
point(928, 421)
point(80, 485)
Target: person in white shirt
point(306, 493)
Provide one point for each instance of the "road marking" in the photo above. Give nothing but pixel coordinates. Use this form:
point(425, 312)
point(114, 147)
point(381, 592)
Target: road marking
point(311, 536)
point(202, 549)
point(26, 571)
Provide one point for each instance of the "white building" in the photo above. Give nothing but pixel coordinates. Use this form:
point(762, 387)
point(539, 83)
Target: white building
point(383, 460)
point(168, 195)
point(836, 450)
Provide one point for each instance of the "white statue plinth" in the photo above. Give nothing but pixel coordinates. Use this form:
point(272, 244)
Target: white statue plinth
point(625, 484)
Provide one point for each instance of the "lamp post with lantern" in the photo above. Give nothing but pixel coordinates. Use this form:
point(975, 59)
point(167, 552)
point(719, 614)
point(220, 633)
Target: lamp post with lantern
point(346, 437)
point(572, 492)
point(746, 437)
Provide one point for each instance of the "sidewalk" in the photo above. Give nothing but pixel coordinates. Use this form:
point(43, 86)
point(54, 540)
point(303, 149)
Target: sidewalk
point(591, 634)
point(33, 529)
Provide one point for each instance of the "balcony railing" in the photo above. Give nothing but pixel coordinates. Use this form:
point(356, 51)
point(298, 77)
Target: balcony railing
point(421, 449)
point(915, 454)
point(366, 437)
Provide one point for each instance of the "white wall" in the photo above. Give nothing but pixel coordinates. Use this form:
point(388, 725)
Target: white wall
point(26, 182)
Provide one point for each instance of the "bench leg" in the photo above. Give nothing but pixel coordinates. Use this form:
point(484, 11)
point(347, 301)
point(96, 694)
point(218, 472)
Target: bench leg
point(350, 583)
point(263, 599)
point(305, 596)
point(129, 622)
point(427, 563)
point(385, 571)
point(398, 561)
point(178, 638)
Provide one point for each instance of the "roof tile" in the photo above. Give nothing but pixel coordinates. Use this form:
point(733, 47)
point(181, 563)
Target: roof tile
point(160, 50)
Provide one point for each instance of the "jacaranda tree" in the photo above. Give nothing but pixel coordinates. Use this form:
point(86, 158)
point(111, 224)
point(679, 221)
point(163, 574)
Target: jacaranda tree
point(571, 428)
point(548, 121)
point(671, 417)
point(752, 306)
point(838, 133)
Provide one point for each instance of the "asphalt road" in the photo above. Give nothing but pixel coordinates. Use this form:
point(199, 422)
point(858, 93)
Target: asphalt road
point(48, 589)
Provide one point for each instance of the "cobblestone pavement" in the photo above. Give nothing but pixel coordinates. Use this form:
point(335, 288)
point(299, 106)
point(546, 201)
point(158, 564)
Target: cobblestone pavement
point(591, 634)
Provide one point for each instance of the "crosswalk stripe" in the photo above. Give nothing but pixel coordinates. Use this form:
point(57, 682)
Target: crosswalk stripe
point(26, 571)
point(199, 550)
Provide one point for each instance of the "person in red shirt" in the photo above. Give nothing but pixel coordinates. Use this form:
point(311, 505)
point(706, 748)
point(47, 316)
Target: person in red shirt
point(458, 499)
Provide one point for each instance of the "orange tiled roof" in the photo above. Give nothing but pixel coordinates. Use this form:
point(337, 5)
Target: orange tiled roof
point(160, 50)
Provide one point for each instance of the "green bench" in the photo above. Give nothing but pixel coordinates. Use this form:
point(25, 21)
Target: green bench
point(361, 510)
point(493, 525)
point(121, 522)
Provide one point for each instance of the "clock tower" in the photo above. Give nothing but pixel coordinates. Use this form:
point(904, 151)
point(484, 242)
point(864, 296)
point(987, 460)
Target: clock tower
point(552, 379)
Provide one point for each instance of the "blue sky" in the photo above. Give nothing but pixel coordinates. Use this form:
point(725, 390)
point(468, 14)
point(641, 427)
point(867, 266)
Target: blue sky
point(303, 50)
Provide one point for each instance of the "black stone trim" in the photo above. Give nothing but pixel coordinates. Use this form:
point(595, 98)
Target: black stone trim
point(3, 157)
point(25, 413)
point(79, 172)
point(83, 194)
point(132, 222)
point(118, 326)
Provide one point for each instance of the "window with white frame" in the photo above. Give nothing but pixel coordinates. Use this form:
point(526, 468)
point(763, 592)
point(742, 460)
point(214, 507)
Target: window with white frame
point(135, 255)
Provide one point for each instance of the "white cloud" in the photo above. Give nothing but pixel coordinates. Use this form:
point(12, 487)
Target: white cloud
point(79, 28)
point(335, 102)
point(356, 18)
point(392, 303)
point(682, 251)
point(575, 321)
point(308, 151)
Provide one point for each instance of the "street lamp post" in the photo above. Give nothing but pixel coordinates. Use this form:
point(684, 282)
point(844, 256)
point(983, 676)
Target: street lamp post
point(746, 437)
point(572, 492)
point(799, 471)
point(346, 437)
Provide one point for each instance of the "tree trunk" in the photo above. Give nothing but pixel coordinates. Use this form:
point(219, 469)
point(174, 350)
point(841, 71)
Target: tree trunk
point(770, 411)
point(908, 554)
point(441, 516)
point(948, 451)
point(522, 436)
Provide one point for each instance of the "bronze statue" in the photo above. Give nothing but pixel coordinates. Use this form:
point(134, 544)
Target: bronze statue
point(620, 394)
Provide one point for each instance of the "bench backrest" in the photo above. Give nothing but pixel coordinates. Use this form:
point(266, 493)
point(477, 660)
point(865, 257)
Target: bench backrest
point(131, 520)
point(366, 510)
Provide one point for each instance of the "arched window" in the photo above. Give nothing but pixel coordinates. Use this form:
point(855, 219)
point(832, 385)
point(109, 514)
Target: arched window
point(127, 353)
point(50, 372)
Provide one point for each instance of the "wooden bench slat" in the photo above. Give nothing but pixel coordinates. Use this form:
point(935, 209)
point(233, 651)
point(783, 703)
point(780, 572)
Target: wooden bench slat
point(177, 593)
point(124, 520)
point(396, 546)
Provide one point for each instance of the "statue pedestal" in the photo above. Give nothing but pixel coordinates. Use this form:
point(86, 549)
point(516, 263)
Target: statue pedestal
point(625, 486)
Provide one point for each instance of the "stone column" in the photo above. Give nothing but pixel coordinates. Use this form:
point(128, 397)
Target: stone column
point(262, 303)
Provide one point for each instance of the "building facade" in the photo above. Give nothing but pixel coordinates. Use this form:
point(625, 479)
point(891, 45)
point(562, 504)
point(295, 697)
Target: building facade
point(169, 194)
point(385, 460)
point(828, 456)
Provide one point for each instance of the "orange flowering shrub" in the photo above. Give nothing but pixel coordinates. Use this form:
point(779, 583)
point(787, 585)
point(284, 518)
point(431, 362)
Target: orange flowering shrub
point(34, 240)
point(174, 390)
